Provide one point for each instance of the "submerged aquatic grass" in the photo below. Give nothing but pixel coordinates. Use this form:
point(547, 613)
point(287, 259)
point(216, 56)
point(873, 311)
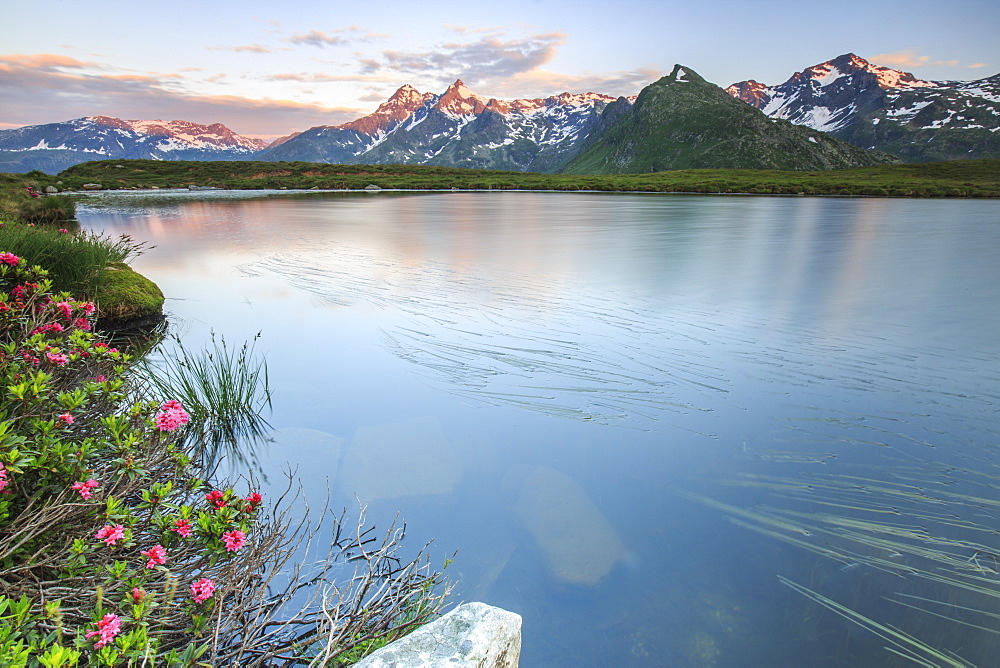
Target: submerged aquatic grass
point(899, 642)
point(930, 547)
point(226, 386)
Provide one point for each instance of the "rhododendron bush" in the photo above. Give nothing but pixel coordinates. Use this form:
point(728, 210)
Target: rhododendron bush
point(114, 547)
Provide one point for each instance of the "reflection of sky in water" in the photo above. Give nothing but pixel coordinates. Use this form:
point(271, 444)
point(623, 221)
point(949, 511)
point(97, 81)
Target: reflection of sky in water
point(529, 377)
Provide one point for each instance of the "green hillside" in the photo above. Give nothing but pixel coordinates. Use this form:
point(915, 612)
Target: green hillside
point(685, 122)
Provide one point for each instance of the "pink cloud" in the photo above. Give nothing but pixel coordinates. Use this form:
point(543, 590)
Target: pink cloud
point(41, 61)
point(909, 59)
point(247, 48)
point(37, 91)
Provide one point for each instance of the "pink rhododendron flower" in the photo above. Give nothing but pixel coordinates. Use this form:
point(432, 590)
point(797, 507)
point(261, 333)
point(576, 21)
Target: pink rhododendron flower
point(64, 230)
point(171, 416)
point(86, 488)
point(57, 358)
point(202, 590)
point(100, 378)
point(66, 308)
point(234, 540)
point(183, 527)
point(9, 259)
point(88, 308)
point(252, 502)
point(216, 498)
point(66, 419)
point(82, 323)
point(51, 327)
point(157, 555)
point(3, 479)
point(138, 595)
point(111, 534)
point(109, 626)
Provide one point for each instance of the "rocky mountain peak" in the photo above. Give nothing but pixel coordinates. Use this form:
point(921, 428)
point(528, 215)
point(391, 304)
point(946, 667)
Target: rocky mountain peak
point(400, 106)
point(460, 101)
point(750, 91)
point(683, 74)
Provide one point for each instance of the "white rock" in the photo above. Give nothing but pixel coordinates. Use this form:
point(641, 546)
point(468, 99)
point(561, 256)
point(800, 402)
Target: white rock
point(472, 635)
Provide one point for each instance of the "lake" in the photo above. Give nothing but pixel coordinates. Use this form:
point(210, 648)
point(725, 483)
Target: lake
point(665, 429)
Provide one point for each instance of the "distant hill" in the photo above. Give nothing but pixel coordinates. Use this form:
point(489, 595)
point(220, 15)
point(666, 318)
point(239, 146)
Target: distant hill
point(885, 109)
point(685, 122)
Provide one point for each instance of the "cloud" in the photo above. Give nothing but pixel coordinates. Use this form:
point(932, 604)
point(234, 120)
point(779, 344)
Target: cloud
point(249, 48)
point(489, 58)
point(320, 77)
point(498, 65)
point(37, 90)
point(976, 65)
point(909, 59)
point(542, 84)
point(45, 62)
point(374, 95)
point(316, 38)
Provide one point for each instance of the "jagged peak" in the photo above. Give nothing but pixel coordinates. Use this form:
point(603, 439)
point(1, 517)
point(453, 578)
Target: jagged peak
point(458, 100)
point(682, 74)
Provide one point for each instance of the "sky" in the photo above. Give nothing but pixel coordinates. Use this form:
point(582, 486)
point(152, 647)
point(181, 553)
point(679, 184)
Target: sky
point(267, 69)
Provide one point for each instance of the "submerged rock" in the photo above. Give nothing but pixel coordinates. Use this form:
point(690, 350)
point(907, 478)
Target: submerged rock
point(579, 544)
point(390, 460)
point(318, 451)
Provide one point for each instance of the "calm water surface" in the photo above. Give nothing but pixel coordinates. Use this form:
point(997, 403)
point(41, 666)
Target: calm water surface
point(666, 430)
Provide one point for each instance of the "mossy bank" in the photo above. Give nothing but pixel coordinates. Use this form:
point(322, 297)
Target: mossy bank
point(127, 299)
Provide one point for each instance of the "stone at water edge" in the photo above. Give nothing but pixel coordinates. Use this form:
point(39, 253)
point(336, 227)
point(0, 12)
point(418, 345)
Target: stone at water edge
point(472, 635)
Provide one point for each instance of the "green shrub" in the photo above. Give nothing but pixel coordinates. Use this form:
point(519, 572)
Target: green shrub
point(116, 550)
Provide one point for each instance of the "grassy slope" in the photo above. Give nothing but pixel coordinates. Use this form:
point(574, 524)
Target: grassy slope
point(964, 178)
point(694, 124)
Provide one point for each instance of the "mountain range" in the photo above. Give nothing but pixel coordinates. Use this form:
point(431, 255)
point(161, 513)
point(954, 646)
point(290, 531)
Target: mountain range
point(55, 146)
point(885, 109)
point(841, 113)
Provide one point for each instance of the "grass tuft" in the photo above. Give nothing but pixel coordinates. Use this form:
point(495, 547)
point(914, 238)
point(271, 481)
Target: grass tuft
point(226, 389)
point(76, 261)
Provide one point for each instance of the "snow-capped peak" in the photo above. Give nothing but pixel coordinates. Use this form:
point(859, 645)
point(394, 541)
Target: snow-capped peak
point(175, 135)
point(396, 109)
point(832, 70)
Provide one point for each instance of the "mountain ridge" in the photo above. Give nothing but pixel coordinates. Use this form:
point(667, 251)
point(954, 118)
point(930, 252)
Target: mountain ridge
point(60, 145)
point(848, 98)
point(683, 121)
point(884, 109)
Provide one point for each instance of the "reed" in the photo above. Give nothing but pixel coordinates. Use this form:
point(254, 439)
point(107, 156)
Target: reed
point(227, 388)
